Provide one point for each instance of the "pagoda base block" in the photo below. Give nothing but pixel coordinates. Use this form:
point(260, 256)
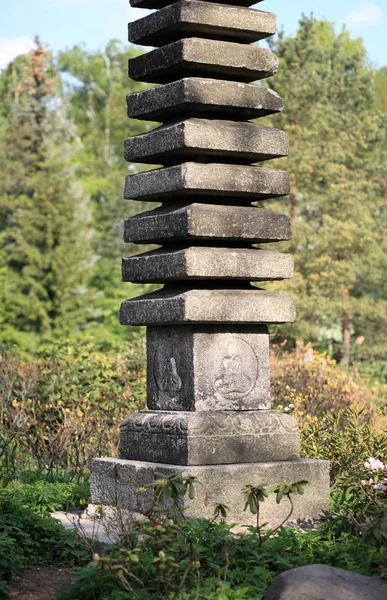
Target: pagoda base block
point(209, 437)
point(114, 482)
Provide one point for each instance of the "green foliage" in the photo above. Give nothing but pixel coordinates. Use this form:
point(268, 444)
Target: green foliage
point(207, 560)
point(11, 562)
point(96, 84)
point(381, 89)
point(337, 170)
point(189, 558)
point(44, 253)
point(341, 420)
point(64, 407)
point(169, 489)
point(61, 207)
point(359, 501)
point(373, 371)
point(256, 494)
point(44, 496)
point(286, 489)
point(312, 384)
point(27, 538)
point(346, 441)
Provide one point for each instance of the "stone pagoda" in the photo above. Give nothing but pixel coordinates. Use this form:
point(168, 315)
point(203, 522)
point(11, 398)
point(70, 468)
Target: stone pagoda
point(208, 377)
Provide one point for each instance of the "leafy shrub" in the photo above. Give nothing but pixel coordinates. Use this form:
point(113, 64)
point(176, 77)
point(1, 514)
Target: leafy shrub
point(359, 504)
point(346, 440)
point(30, 539)
point(64, 406)
point(11, 561)
point(191, 558)
point(316, 386)
point(42, 496)
point(202, 559)
point(340, 421)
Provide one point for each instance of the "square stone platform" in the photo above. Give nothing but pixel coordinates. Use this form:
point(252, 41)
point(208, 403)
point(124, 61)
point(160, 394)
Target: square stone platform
point(209, 437)
point(203, 96)
point(225, 183)
point(209, 223)
point(197, 57)
point(179, 263)
point(188, 18)
point(114, 482)
point(176, 305)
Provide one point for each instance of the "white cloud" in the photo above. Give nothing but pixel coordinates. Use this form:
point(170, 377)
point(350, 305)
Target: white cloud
point(365, 15)
point(11, 48)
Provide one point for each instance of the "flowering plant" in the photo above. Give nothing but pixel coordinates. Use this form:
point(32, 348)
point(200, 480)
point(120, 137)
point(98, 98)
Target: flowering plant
point(360, 506)
point(377, 475)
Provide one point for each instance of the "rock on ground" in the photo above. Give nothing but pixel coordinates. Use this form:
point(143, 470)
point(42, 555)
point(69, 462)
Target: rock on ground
point(322, 582)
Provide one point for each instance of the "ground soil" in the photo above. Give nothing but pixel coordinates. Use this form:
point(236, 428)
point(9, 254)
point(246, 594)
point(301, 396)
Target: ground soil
point(40, 583)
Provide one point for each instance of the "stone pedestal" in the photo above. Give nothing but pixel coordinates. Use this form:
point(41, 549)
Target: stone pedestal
point(115, 482)
point(208, 381)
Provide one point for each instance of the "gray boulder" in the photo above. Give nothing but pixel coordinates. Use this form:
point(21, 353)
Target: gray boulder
point(321, 582)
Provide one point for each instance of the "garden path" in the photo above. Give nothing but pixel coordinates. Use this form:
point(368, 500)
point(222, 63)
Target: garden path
point(40, 583)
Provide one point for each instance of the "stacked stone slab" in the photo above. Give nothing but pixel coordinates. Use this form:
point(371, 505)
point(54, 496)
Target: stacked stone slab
point(208, 381)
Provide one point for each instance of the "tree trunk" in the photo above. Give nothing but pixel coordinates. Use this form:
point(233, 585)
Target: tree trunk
point(293, 208)
point(293, 200)
point(346, 324)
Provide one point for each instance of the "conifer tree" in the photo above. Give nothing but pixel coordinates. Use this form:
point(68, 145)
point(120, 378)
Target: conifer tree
point(43, 212)
point(338, 173)
point(95, 89)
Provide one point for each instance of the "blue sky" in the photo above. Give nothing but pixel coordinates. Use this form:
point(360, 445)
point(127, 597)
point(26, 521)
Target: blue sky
point(63, 23)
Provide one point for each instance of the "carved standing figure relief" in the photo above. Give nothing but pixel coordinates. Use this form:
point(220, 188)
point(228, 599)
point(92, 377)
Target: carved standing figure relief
point(167, 379)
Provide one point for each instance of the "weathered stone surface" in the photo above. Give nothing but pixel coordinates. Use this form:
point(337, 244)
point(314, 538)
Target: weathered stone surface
point(207, 368)
point(193, 18)
point(162, 3)
point(202, 262)
point(174, 305)
point(203, 97)
point(220, 483)
point(105, 481)
point(207, 223)
point(319, 582)
point(202, 58)
point(205, 138)
point(236, 184)
point(209, 438)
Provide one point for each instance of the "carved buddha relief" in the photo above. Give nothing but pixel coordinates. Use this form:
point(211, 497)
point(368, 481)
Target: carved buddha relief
point(237, 370)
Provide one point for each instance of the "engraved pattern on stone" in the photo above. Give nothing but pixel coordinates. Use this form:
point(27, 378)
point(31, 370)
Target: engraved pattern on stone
point(215, 423)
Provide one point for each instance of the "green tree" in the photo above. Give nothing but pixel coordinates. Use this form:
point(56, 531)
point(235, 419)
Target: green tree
point(338, 171)
point(381, 89)
point(43, 211)
point(95, 86)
